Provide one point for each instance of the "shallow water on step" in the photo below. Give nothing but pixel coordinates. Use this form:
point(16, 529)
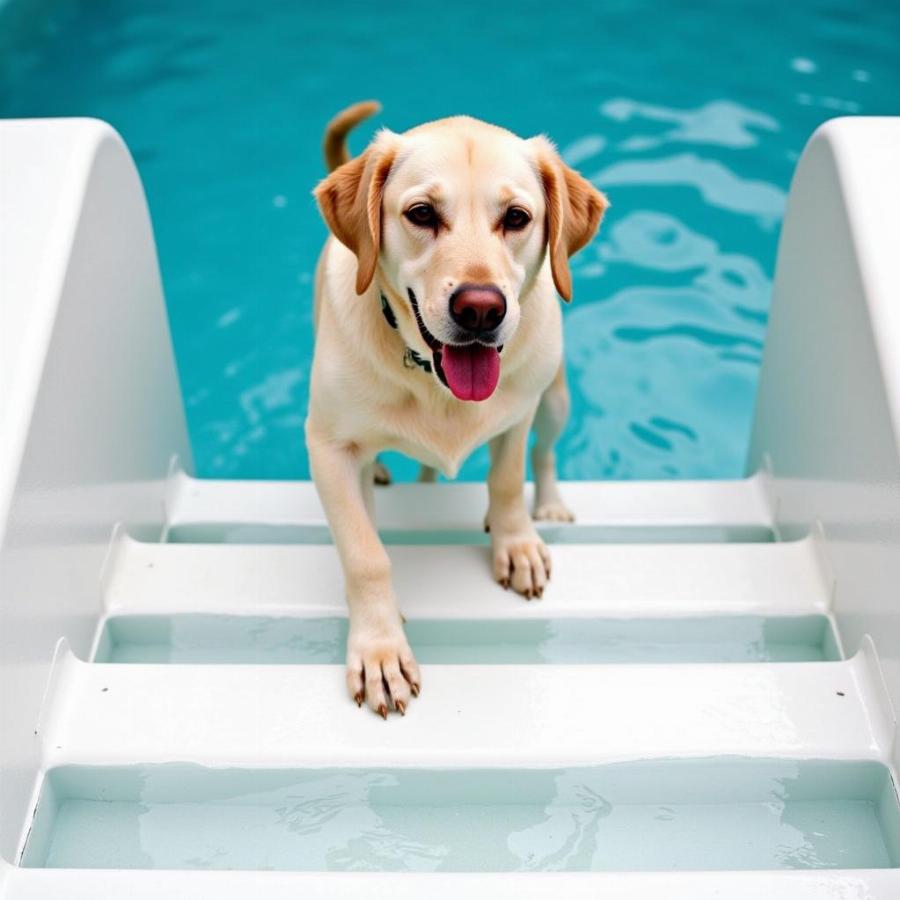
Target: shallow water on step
point(551, 532)
point(716, 814)
point(207, 638)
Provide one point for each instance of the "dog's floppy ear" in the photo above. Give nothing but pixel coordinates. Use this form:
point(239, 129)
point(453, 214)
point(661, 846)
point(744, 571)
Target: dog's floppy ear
point(350, 201)
point(574, 210)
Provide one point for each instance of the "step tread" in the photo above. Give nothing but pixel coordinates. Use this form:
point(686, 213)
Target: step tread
point(469, 715)
point(35, 884)
point(456, 580)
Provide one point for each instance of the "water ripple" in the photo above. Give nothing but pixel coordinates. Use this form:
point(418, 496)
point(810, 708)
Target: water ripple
point(716, 183)
point(721, 122)
point(663, 376)
point(694, 140)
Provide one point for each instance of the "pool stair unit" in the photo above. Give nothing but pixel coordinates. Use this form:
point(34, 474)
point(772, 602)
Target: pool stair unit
point(702, 705)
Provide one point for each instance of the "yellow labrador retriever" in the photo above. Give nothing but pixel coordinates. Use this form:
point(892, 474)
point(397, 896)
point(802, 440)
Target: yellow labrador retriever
point(438, 329)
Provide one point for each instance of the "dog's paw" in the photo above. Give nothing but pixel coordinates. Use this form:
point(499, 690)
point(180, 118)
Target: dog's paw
point(382, 670)
point(381, 474)
point(521, 562)
point(553, 511)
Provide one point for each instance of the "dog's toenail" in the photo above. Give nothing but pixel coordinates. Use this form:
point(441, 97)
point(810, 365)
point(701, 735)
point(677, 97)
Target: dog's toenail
point(401, 707)
point(359, 698)
point(415, 690)
point(382, 711)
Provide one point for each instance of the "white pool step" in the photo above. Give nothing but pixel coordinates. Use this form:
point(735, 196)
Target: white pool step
point(271, 716)
point(299, 715)
point(704, 506)
point(552, 715)
point(281, 716)
point(787, 578)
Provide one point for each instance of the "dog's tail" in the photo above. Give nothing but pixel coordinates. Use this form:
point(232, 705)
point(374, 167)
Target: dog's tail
point(334, 145)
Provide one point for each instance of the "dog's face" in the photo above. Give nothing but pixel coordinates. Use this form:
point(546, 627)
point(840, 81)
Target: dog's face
point(454, 220)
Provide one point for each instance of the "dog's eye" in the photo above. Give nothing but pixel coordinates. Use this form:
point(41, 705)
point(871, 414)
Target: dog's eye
point(422, 214)
point(515, 219)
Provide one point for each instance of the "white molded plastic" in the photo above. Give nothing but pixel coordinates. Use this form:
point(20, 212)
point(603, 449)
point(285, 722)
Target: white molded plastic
point(92, 416)
point(91, 407)
point(828, 413)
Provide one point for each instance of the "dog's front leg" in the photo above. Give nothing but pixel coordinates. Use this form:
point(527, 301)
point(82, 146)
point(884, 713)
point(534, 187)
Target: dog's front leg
point(380, 665)
point(521, 558)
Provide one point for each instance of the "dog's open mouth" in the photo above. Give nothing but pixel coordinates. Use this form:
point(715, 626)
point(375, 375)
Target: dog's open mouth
point(470, 371)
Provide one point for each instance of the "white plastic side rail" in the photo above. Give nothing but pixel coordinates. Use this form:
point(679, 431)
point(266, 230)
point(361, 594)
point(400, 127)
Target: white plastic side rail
point(91, 406)
point(828, 411)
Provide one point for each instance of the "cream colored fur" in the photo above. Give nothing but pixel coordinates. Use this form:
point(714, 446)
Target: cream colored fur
point(363, 397)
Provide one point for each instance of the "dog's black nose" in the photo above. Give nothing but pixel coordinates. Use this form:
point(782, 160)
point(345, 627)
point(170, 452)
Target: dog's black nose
point(477, 308)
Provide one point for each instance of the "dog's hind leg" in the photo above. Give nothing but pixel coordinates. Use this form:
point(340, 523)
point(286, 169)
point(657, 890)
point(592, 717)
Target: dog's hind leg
point(381, 474)
point(520, 558)
point(552, 413)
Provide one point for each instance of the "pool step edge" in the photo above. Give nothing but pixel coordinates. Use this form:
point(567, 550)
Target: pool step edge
point(112, 884)
point(553, 715)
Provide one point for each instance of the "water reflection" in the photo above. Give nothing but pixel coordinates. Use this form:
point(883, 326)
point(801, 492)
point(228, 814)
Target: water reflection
point(656, 240)
point(685, 353)
point(722, 123)
point(583, 149)
point(718, 185)
point(702, 124)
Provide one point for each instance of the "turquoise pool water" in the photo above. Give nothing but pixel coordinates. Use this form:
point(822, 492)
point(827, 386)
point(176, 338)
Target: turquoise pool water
point(690, 115)
point(725, 813)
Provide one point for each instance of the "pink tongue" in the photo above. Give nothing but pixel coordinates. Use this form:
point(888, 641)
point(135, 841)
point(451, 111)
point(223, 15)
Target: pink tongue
point(472, 372)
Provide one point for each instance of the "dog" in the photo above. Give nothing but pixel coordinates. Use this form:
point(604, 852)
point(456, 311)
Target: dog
point(438, 330)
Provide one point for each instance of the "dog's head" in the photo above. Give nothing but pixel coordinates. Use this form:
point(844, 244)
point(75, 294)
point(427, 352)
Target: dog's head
point(453, 221)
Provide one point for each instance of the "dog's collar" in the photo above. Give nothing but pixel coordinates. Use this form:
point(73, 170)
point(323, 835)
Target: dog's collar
point(387, 312)
point(410, 357)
